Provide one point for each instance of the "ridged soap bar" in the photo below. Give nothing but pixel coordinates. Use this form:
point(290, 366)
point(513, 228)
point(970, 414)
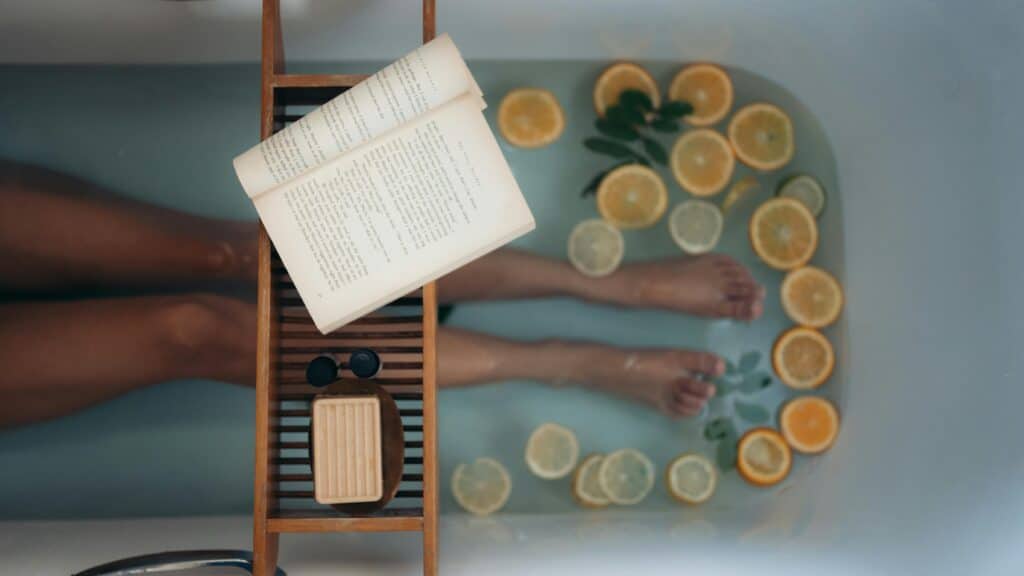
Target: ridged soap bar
point(347, 450)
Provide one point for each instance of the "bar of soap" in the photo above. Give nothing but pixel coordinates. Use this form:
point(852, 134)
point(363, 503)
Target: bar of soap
point(347, 463)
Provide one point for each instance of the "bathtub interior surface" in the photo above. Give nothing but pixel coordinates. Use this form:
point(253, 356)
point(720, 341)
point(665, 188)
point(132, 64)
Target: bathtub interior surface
point(921, 103)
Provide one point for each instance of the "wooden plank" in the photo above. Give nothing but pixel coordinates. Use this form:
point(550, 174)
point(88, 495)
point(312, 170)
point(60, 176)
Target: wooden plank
point(265, 541)
point(381, 524)
point(318, 80)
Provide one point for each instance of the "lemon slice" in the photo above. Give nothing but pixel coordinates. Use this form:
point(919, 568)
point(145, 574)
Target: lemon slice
point(552, 451)
point(762, 136)
point(530, 117)
point(481, 487)
point(691, 478)
point(632, 196)
point(702, 162)
point(803, 358)
point(596, 247)
point(783, 233)
point(810, 424)
point(696, 226)
point(811, 297)
point(762, 457)
point(707, 88)
point(807, 190)
point(620, 77)
point(585, 486)
point(626, 476)
point(742, 188)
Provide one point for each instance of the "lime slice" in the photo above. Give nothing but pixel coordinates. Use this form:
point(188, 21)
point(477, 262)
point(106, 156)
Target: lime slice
point(696, 226)
point(626, 476)
point(552, 451)
point(741, 189)
point(482, 486)
point(807, 190)
point(596, 247)
point(691, 478)
point(585, 486)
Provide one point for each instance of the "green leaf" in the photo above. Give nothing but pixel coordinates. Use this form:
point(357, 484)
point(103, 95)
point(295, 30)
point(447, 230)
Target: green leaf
point(755, 382)
point(655, 150)
point(730, 368)
point(675, 109)
point(723, 387)
point(591, 187)
point(753, 413)
point(718, 429)
point(640, 159)
point(749, 361)
point(616, 130)
point(608, 147)
point(726, 454)
point(664, 125)
point(636, 100)
point(622, 115)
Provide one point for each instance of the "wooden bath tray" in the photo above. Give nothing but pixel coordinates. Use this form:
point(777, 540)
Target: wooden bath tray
point(402, 333)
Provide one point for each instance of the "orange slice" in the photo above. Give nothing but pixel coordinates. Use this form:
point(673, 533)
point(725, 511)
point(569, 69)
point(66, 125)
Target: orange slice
point(530, 117)
point(810, 424)
point(620, 77)
point(691, 478)
point(811, 297)
point(762, 457)
point(632, 196)
point(740, 190)
point(705, 87)
point(783, 233)
point(762, 135)
point(702, 162)
point(803, 358)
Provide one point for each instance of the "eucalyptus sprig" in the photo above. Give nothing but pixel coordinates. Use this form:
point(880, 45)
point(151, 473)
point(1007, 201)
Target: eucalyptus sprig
point(743, 378)
point(632, 120)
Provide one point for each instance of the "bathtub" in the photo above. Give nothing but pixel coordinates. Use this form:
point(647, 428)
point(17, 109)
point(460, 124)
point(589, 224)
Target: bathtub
point(919, 103)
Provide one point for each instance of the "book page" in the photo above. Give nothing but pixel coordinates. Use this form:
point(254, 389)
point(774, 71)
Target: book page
point(395, 213)
point(422, 80)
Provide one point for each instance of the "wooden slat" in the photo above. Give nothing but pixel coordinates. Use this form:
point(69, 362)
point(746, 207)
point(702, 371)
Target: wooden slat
point(318, 80)
point(308, 494)
point(325, 512)
point(373, 524)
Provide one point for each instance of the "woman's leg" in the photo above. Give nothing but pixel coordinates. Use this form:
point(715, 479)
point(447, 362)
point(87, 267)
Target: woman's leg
point(672, 381)
point(59, 233)
point(713, 285)
point(60, 357)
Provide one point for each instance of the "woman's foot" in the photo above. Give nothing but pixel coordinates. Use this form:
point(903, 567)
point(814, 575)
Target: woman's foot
point(675, 382)
point(711, 285)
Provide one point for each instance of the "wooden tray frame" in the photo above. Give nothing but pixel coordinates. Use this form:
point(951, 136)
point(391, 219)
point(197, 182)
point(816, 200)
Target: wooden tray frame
point(286, 338)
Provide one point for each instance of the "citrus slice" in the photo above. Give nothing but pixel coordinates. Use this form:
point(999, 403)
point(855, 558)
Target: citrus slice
point(707, 88)
point(626, 476)
point(702, 162)
point(810, 424)
point(803, 358)
point(783, 233)
point(585, 486)
point(552, 451)
point(632, 196)
point(620, 77)
point(596, 247)
point(691, 478)
point(482, 486)
point(807, 190)
point(762, 457)
point(741, 189)
point(696, 226)
point(530, 117)
point(811, 297)
point(762, 136)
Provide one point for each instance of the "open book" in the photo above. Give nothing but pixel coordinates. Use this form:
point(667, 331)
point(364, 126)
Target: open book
point(392, 184)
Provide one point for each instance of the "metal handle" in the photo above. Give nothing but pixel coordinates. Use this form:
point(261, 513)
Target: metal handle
point(178, 560)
